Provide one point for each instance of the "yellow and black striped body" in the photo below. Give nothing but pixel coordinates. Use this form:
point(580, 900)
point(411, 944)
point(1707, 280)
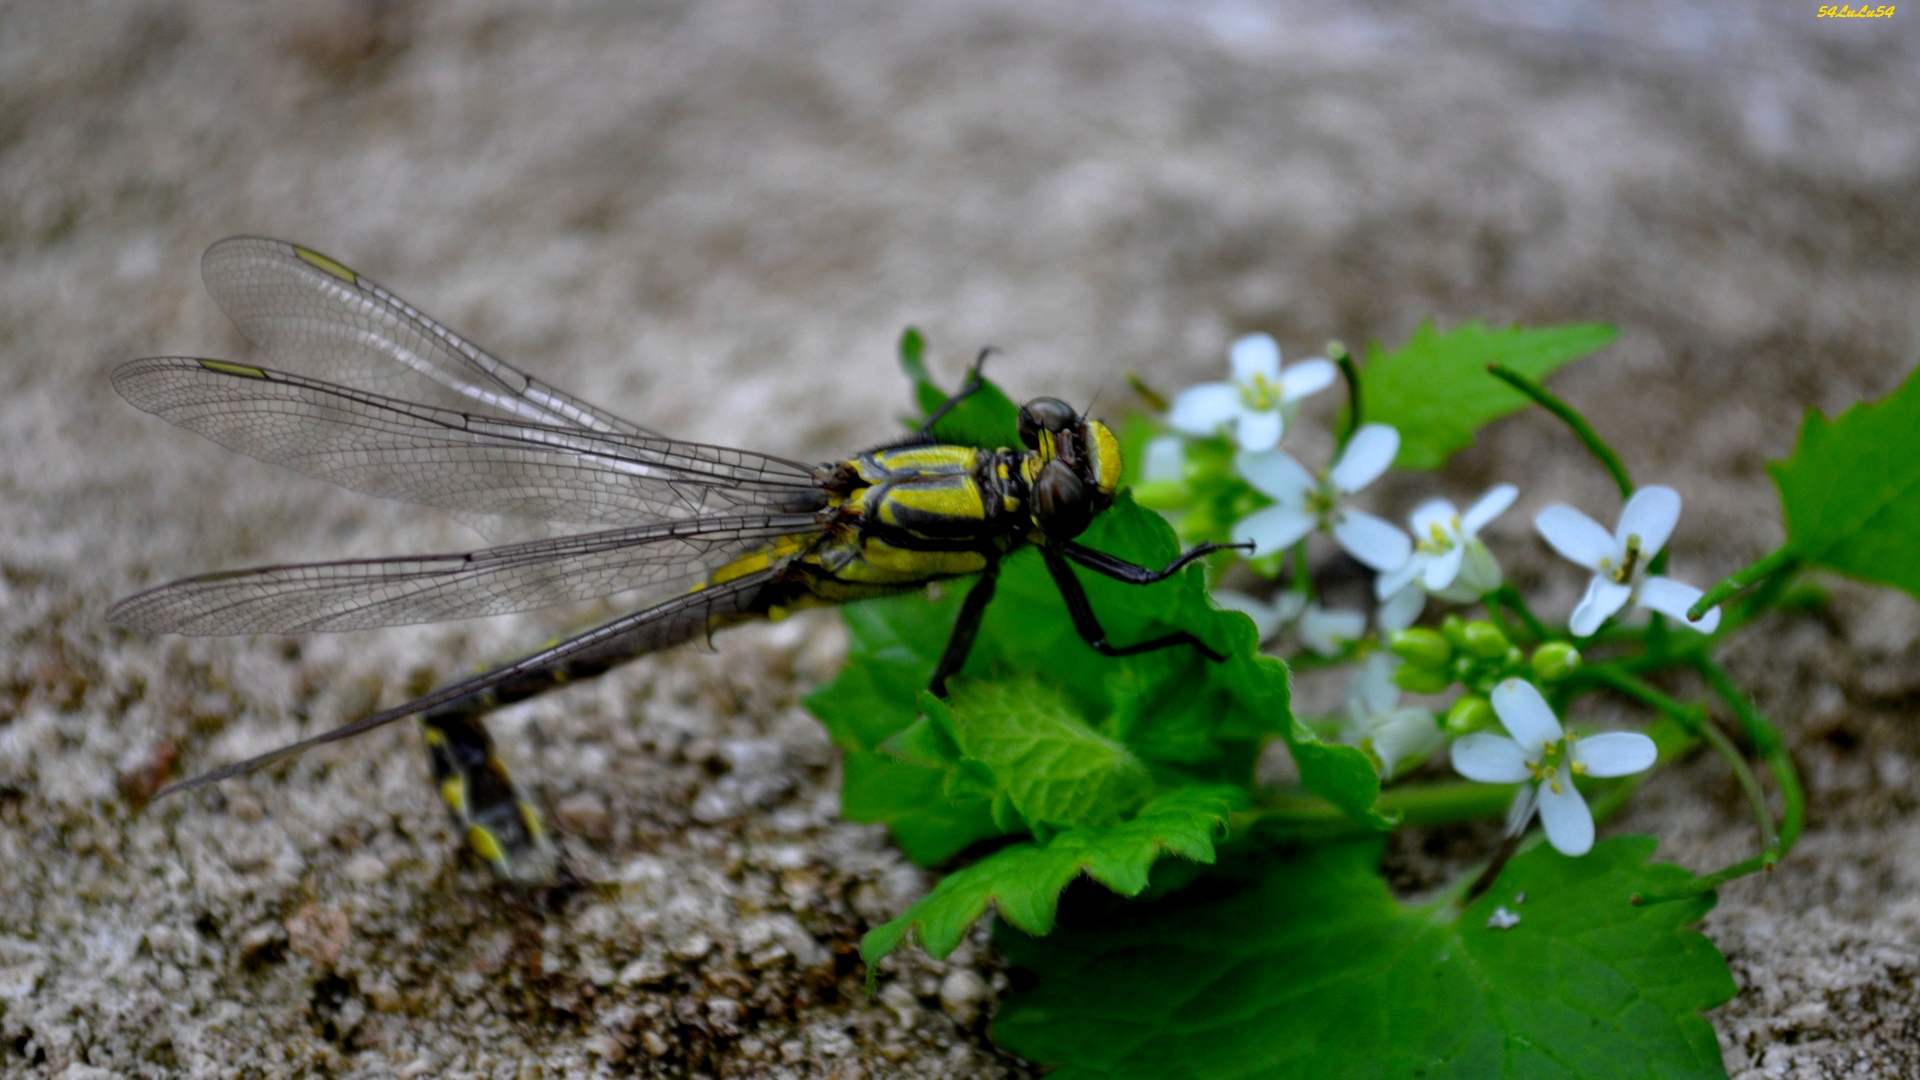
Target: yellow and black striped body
point(900, 517)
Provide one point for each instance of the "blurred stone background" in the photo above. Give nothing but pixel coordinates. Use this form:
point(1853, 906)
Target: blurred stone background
point(715, 218)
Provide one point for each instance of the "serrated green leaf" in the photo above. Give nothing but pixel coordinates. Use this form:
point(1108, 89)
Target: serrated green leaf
point(1436, 391)
point(1173, 709)
point(930, 825)
point(1308, 967)
point(1024, 881)
point(986, 417)
point(1851, 490)
point(1054, 768)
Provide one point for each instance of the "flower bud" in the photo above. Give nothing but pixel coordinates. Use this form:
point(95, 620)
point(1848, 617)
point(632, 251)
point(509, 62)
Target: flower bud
point(1555, 661)
point(1454, 629)
point(1421, 647)
point(1469, 714)
point(1421, 680)
point(1485, 640)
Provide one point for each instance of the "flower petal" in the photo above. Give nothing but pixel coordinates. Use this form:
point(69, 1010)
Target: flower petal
point(1307, 377)
point(1402, 607)
point(1614, 753)
point(1290, 604)
point(1520, 810)
point(1651, 514)
point(1672, 599)
point(1275, 474)
point(1165, 459)
point(1491, 505)
point(1374, 542)
point(1276, 528)
point(1259, 431)
point(1367, 455)
point(1404, 735)
point(1490, 759)
point(1602, 600)
point(1479, 570)
point(1200, 410)
point(1266, 618)
point(1564, 814)
point(1396, 581)
point(1430, 513)
point(1255, 355)
point(1526, 716)
point(1372, 693)
point(1327, 632)
point(1443, 568)
point(1576, 536)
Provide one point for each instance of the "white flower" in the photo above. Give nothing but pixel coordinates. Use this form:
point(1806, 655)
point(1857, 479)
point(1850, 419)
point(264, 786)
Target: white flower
point(1254, 402)
point(1376, 721)
point(1619, 560)
point(1327, 631)
point(1449, 558)
point(1544, 758)
point(1301, 501)
point(1268, 618)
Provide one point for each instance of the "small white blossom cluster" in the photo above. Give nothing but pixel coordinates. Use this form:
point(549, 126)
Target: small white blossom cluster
point(1441, 557)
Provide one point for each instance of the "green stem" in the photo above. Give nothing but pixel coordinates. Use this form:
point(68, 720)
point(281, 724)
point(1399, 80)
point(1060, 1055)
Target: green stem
point(1302, 578)
point(1352, 375)
point(1776, 563)
point(1766, 739)
point(1510, 598)
point(1572, 419)
point(1697, 722)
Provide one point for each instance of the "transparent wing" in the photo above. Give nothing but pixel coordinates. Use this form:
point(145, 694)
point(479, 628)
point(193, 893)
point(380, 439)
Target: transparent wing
point(462, 462)
point(658, 560)
point(317, 317)
point(658, 627)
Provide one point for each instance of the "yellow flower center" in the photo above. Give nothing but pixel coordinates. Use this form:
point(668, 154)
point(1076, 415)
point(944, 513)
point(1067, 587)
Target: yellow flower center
point(1623, 573)
point(1439, 538)
point(1259, 394)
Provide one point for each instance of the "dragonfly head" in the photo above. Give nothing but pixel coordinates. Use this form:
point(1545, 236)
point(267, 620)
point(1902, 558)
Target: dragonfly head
point(1076, 466)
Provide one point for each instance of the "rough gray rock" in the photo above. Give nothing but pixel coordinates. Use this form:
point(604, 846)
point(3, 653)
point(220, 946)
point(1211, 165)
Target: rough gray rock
point(716, 218)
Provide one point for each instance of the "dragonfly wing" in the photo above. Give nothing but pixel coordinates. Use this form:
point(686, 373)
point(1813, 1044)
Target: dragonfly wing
point(319, 318)
point(658, 627)
point(462, 462)
point(655, 561)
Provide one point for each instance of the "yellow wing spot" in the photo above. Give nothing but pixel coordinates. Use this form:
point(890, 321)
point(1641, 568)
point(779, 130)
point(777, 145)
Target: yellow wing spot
point(454, 791)
point(536, 827)
point(224, 368)
point(485, 844)
point(321, 261)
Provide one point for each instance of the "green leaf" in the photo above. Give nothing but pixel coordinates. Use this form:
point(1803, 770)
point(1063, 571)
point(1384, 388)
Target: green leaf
point(1186, 718)
point(1851, 490)
point(1306, 966)
point(986, 417)
point(1055, 769)
point(1436, 391)
point(1024, 881)
point(913, 801)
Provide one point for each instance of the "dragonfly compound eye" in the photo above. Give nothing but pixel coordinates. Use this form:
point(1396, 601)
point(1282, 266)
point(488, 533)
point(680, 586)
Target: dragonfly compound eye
point(1044, 414)
point(1062, 503)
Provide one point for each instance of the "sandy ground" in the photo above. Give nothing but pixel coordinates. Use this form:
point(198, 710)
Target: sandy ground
point(716, 218)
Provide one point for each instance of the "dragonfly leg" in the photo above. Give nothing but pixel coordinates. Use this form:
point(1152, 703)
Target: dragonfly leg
point(967, 389)
point(1132, 573)
point(1088, 624)
point(501, 825)
point(965, 629)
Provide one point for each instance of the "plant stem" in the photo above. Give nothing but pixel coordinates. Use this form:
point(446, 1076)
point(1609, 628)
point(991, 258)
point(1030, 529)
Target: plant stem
point(1510, 598)
point(1569, 416)
point(1697, 722)
point(1302, 577)
point(1778, 562)
point(1352, 375)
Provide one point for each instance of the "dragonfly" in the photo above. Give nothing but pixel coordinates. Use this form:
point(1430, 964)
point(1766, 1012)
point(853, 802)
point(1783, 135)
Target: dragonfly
point(362, 389)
